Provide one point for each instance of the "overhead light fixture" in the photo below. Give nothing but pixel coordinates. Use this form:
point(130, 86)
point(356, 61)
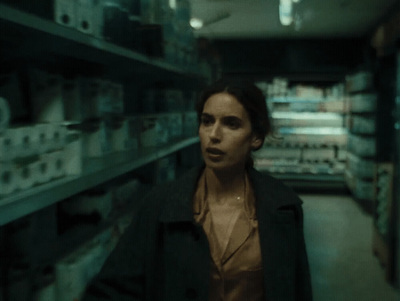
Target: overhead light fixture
point(286, 12)
point(196, 23)
point(296, 1)
point(172, 4)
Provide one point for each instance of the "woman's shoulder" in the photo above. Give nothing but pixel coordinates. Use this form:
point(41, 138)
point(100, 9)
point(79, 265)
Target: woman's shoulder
point(184, 183)
point(172, 192)
point(266, 186)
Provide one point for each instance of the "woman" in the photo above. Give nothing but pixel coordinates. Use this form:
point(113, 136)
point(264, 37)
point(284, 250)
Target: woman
point(222, 232)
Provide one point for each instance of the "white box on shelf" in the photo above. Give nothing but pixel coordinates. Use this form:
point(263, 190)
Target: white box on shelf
point(71, 276)
point(278, 152)
point(310, 136)
point(41, 137)
point(77, 269)
point(111, 98)
point(341, 154)
point(154, 131)
point(8, 147)
point(125, 133)
point(5, 114)
point(365, 190)
point(46, 96)
point(97, 143)
point(165, 169)
point(361, 81)
point(56, 136)
point(72, 99)
point(363, 103)
point(97, 18)
point(24, 140)
point(85, 16)
point(318, 154)
point(362, 146)
point(190, 124)
point(65, 12)
point(361, 167)
point(134, 124)
point(120, 135)
point(42, 171)
point(333, 105)
point(8, 178)
point(97, 98)
point(73, 154)
point(362, 125)
point(26, 176)
point(175, 125)
point(361, 189)
point(91, 94)
point(304, 119)
point(56, 163)
point(309, 92)
point(89, 202)
point(283, 104)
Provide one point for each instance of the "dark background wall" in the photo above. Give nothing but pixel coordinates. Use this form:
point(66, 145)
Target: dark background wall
point(311, 60)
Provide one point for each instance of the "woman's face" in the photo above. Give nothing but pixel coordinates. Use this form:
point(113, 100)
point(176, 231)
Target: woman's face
point(225, 132)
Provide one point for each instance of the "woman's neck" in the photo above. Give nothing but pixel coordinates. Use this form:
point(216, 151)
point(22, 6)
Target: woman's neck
point(223, 186)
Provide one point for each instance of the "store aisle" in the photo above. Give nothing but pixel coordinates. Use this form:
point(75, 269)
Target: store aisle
point(338, 235)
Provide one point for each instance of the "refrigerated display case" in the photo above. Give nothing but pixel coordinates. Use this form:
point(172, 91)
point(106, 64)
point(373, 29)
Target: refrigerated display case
point(308, 146)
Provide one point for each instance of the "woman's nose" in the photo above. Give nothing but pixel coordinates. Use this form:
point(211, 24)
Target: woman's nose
point(215, 133)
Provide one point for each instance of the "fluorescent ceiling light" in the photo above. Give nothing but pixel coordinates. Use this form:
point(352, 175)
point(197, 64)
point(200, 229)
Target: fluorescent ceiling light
point(286, 12)
point(196, 23)
point(172, 4)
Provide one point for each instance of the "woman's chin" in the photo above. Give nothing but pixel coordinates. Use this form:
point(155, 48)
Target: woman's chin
point(222, 166)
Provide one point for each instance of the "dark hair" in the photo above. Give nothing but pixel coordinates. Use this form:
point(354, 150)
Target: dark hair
point(251, 98)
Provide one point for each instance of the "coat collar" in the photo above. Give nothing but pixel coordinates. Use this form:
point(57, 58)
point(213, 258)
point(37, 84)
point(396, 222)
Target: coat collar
point(270, 195)
point(178, 205)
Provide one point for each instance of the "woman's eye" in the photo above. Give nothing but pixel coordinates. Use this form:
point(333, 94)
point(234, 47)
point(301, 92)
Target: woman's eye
point(233, 124)
point(206, 121)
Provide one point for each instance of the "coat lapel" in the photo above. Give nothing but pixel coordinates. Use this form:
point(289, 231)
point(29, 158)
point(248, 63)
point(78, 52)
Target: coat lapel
point(273, 225)
point(178, 205)
point(240, 233)
point(242, 228)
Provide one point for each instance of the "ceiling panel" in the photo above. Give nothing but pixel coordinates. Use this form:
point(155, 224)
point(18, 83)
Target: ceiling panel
point(227, 19)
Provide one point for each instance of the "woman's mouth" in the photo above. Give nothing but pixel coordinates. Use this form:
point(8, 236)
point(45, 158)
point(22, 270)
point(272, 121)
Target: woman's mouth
point(214, 154)
point(214, 151)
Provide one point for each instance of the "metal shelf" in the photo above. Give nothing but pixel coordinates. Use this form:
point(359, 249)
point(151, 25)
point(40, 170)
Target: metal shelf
point(311, 177)
point(42, 38)
point(312, 182)
point(95, 172)
point(289, 99)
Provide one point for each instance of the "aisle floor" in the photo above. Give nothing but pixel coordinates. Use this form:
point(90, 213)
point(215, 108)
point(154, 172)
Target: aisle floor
point(338, 236)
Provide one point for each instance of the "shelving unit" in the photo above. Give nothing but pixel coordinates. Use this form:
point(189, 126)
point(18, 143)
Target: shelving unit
point(35, 37)
point(28, 42)
point(96, 171)
point(362, 146)
point(42, 38)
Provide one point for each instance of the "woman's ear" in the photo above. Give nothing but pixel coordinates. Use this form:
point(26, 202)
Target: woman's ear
point(256, 142)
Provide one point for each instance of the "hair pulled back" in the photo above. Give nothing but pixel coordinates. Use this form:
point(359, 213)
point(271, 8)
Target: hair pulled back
point(250, 97)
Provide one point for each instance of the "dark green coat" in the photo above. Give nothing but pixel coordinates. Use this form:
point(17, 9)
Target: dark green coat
point(164, 255)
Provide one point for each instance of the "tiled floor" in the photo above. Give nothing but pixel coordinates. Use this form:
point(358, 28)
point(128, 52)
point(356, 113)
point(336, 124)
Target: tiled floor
point(338, 235)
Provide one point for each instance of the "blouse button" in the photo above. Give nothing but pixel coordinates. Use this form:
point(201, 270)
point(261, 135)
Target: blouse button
point(191, 293)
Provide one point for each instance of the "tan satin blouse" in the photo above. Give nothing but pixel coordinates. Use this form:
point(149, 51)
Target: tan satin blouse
point(236, 268)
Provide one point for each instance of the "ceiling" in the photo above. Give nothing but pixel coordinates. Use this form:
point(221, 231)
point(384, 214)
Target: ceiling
point(249, 19)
